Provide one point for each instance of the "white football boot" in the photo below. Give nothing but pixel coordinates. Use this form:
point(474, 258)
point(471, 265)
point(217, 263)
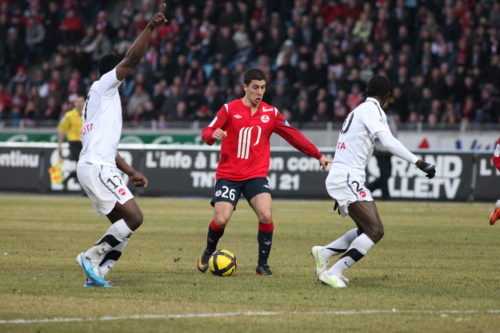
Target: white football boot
point(335, 280)
point(319, 261)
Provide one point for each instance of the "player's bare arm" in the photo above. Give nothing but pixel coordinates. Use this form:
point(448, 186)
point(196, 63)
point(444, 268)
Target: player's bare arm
point(136, 177)
point(219, 134)
point(138, 49)
point(59, 142)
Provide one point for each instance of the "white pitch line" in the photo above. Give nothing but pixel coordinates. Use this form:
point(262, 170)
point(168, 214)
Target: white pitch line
point(233, 314)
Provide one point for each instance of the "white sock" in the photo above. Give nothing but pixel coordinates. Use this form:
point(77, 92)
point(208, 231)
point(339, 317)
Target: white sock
point(339, 245)
point(109, 259)
point(112, 238)
point(497, 204)
point(354, 253)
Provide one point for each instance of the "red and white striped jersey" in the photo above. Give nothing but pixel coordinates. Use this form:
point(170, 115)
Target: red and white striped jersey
point(245, 152)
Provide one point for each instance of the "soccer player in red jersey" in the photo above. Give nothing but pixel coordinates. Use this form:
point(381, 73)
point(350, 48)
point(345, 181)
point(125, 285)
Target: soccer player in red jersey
point(495, 215)
point(245, 126)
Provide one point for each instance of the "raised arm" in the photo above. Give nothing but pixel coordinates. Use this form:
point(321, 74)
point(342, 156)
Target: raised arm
point(137, 50)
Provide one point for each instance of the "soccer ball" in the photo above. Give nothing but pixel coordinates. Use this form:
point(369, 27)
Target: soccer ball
point(222, 263)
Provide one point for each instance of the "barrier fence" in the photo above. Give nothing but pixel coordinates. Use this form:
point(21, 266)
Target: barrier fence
point(182, 170)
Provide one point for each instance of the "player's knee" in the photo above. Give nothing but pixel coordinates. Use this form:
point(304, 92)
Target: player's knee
point(377, 233)
point(265, 217)
point(221, 220)
point(134, 221)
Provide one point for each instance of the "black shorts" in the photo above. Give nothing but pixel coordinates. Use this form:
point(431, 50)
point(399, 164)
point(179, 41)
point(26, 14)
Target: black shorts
point(75, 147)
point(229, 190)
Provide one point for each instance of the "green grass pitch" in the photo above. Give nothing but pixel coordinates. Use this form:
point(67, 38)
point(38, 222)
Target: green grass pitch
point(438, 267)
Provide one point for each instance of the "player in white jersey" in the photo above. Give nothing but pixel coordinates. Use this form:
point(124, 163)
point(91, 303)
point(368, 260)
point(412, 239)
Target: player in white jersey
point(99, 160)
point(345, 182)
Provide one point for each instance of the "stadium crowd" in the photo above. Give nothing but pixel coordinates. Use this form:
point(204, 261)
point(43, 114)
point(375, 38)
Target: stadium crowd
point(442, 57)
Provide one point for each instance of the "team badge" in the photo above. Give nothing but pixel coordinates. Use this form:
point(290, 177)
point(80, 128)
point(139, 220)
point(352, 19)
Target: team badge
point(218, 193)
point(286, 123)
point(382, 120)
point(362, 193)
point(122, 191)
point(264, 119)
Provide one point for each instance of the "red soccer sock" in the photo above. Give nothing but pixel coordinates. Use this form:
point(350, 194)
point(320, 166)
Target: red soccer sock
point(215, 227)
point(266, 227)
point(214, 234)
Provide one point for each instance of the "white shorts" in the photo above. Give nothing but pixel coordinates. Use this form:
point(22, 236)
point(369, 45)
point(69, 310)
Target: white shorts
point(104, 185)
point(346, 188)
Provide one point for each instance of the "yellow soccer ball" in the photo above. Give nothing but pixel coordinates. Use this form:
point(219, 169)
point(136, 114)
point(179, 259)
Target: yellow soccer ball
point(222, 263)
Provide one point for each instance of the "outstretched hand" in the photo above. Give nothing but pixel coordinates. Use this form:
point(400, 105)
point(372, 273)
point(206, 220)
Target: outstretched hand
point(323, 161)
point(429, 169)
point(158, 19)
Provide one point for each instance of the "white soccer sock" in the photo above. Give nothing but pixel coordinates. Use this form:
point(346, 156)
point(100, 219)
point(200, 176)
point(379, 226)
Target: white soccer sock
point(112, 238)
point(339, 245)
point(497, 204)
point(109, 259)
point(354, 253)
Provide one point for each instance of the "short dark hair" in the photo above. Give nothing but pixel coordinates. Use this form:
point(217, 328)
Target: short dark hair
point(378, 86)
point(253, 74)
point(107, 63)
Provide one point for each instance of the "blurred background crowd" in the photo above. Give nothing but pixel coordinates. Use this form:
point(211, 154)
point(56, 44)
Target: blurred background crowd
point(442, 57)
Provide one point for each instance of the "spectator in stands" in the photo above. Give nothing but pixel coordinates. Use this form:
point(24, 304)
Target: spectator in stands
point(71, 27)
point(181, 112)
point(5, 102)
point(302, 112)
point(103, 47)
point(174, 96)
point(35, 36)
point(138, 98)
point(52, 110)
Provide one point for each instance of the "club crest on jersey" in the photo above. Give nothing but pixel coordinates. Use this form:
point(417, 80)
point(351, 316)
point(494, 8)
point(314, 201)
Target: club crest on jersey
point(362, 193)
point(382, 120)
point(264, 119)
point(286, 123)
point(122, 191)
point(237, 116)
point(218, 193)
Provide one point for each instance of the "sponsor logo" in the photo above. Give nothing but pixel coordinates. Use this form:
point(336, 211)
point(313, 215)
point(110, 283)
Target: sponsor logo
point(218, 193)
point(266, 186)
point(15, 159)
point(264, 119)
point(341, 145)
point(237, 116)
point(267, 110)
point(122, 191)
point(286, 123)
point(86, 128)
point(268, 243)
point(362, 193)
